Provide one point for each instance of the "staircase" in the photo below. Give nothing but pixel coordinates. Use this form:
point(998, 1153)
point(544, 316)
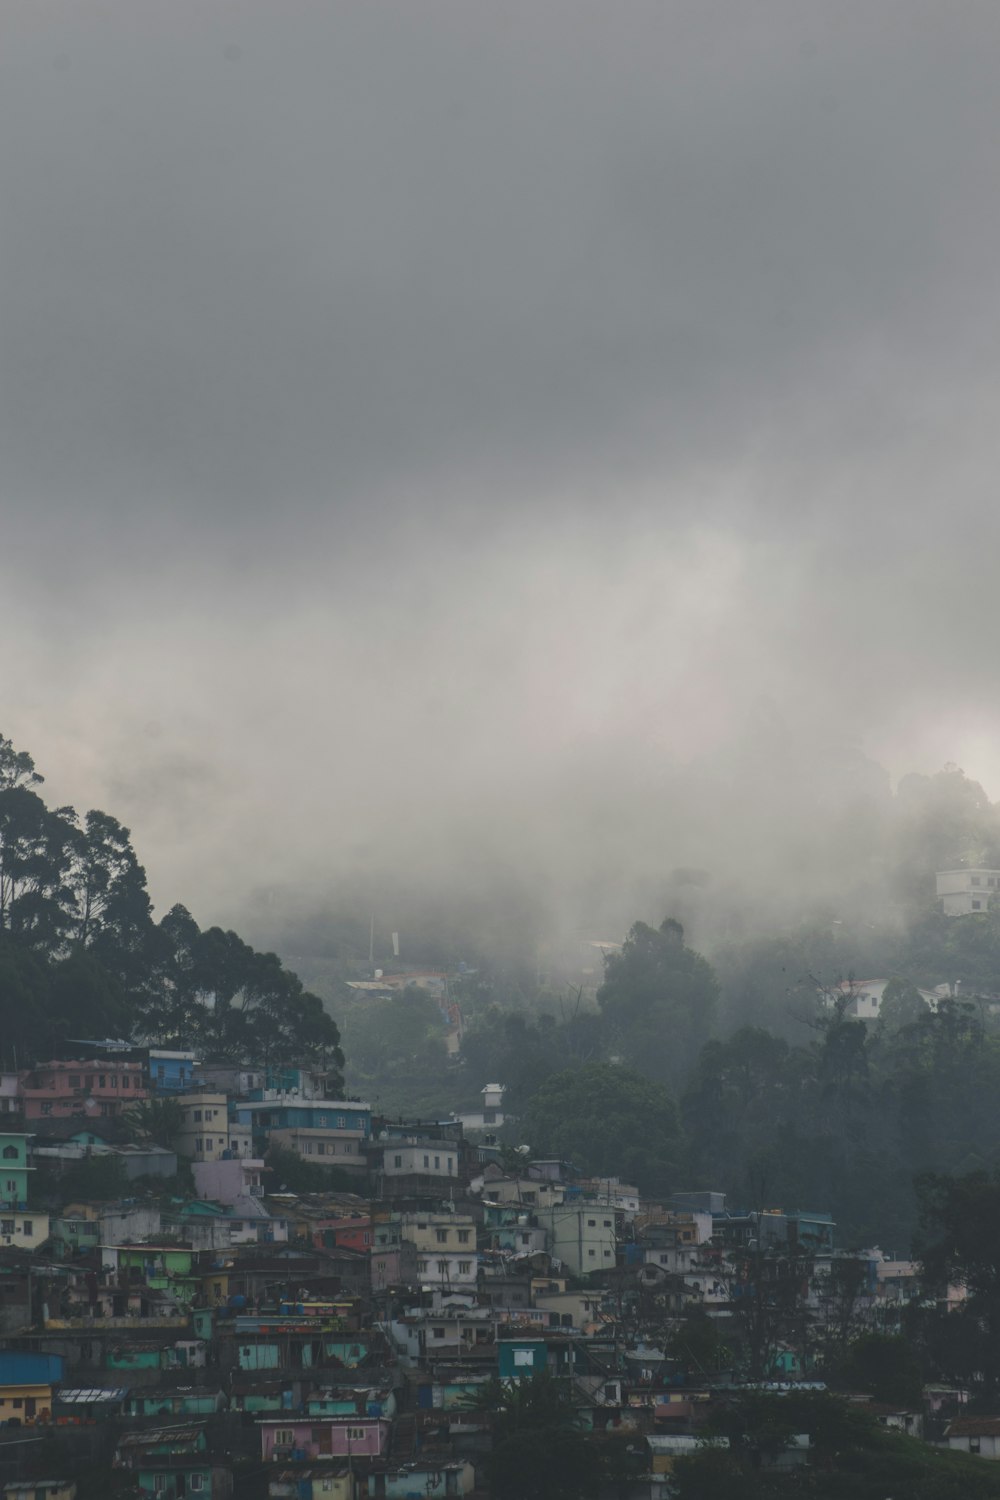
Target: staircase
point(403, 1442)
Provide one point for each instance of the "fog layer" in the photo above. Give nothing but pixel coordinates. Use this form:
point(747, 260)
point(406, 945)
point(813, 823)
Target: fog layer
point(477, 447)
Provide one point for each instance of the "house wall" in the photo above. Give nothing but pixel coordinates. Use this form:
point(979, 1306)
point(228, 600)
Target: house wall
point(14, 1170)
point(23, 1229)
point(204, 1135)
point(325, 1437)
point(583, 1238)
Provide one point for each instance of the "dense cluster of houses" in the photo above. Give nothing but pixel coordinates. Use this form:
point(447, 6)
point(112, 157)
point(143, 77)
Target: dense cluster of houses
point(239, 1338)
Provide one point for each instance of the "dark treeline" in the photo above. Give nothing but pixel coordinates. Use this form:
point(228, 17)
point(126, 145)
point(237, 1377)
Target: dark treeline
point(81, 956)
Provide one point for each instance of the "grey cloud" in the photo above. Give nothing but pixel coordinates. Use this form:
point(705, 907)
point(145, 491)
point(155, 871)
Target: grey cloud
point(437, 417)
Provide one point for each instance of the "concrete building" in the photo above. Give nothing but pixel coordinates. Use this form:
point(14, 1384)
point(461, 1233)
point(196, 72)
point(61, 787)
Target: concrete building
point(330, 1132)
point(204, 1135)
point(582, 1236)
point(445, 1244)
point(228, 1179)
point(963, 892)
point(89, 1087)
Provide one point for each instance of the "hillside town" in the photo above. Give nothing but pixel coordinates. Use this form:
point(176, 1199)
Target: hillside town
point(178, 1320)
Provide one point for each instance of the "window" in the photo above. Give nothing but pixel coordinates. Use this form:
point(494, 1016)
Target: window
point(463, 1236)
point(427, 1161)
point(421, 1267)
point(29, 1227)
point(126, 1082)
point(437, 1333)
point(975, 880)
point(606, 1223)
point(197, 1115)
point(6, 1226)
point(74, 1080)
point(464, 1267)
point(437, 1163)
point(283, 1437)
point(322, 1119)
point(443, 1267)
point(450, 1163)
point(196, 1481)
point(199, 1144)
point(90, 1080)
point(442, 1236)
point(208, 1143)
point(11, 1185)
point(977, 906)
point(397, 1161)
point(159, 1483)
point(591, 1223)
point(10, 1153)
point(320, 1149)
point(591, 1253)
point(46, 1106)
point(114, 1080)
point(103, 1081)
point(356, 1434)
point(341, 1122)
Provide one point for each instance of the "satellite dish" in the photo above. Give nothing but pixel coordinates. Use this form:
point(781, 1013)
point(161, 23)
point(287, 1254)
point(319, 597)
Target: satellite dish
point(378, 973)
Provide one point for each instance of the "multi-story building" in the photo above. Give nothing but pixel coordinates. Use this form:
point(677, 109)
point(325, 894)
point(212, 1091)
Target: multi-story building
point(962, 892)
point(331, 1132)
point(205, 1132)
point(14, 1169)
point(582, 1236)
point(445, 1246)
point(171, 1072)
point(104, 1087)
point(414, 1167)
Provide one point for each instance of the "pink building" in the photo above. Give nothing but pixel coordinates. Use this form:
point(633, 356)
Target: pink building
point(290, 1437)
point(59, 1089)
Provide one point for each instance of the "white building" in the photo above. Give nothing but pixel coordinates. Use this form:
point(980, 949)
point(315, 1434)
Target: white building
point(491, 1116)
point(964, 891)
point(582, 1236)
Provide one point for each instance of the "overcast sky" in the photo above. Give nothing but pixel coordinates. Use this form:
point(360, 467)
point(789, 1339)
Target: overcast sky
point(420, 420)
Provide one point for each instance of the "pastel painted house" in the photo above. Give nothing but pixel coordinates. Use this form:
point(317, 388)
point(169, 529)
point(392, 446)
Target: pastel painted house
point(174, 1462)
point(26, 1382)
point(171, 1072)
point(300, 1439)
point(423, 1477)
point(59, 1088)
point(340, 1401)
point(23, 1228)
point(177, 1402)
point(14, 1170)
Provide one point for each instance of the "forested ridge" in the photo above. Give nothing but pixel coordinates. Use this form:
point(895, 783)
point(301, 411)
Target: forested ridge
point(81, 956)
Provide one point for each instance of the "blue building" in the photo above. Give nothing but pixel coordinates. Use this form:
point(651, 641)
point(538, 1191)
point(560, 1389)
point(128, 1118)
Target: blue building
point(170, 1072)
point(331, 1132)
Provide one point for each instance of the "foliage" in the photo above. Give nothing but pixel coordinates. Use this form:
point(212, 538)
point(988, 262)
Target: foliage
point(658, 999)
point(100, 1178)
point(883, 1365)
point(80, 954)
point(850, 1455)
point(611, 1121)
point(288, 1172)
